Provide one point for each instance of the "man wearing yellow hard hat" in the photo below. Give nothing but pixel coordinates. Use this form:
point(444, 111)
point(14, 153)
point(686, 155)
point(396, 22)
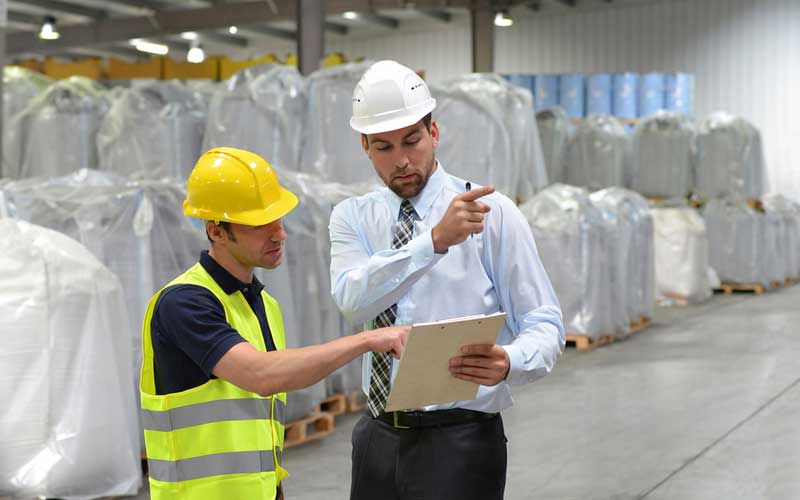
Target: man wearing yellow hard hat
point(215, 369)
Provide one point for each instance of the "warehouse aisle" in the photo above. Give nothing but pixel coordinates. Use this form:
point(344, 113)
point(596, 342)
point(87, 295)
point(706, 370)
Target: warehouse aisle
point(703, 405)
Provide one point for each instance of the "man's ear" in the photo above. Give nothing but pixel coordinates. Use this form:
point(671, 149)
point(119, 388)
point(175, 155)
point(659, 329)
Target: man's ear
point(215, 232)
point(365, 144)
point(434, 133)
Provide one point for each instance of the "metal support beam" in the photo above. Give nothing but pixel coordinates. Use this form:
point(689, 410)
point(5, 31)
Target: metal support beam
point(3, 28)
point(385, 21)
point(223, 39)
point(339, 29)
point(438, 14)
point(21, 18)
point(482, 21)
point(270, 31)
point(311, 35)
point(55, 6)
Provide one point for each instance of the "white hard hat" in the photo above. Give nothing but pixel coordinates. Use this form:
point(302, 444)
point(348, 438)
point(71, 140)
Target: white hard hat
point(389, 97)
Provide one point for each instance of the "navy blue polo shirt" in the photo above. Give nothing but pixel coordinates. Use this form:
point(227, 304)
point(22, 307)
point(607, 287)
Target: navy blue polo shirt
point(190, 333)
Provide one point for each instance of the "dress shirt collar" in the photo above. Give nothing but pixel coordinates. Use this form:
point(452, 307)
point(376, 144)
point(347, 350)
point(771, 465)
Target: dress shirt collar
point(423, 201)
point(228, 282)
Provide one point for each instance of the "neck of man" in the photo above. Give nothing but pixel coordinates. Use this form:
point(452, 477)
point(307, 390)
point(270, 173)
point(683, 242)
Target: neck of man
point(228, 262)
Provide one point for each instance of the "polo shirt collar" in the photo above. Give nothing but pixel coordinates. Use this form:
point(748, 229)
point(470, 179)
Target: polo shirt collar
point(228, 282)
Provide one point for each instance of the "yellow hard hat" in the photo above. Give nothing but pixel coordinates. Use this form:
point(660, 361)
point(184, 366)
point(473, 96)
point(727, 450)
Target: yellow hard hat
point(238, 186)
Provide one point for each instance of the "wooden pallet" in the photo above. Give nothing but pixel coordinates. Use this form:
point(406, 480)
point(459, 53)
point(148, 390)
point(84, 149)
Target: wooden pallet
point(307, 429)
point(356, 402)
point(335, 405)
point(584, 343)
point(776, 284)
point(729, 288)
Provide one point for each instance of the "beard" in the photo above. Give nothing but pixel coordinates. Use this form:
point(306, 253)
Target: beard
point(410, 189)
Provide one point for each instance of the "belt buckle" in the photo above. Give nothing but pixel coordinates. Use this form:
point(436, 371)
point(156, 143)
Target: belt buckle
point(396, 425)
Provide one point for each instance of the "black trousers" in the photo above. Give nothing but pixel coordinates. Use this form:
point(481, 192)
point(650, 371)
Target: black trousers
point(463, 461)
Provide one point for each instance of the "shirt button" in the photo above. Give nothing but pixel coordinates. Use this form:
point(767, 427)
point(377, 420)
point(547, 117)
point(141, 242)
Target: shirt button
point(245, 290)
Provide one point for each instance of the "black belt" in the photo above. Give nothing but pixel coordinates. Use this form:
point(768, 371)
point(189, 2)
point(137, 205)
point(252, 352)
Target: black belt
point(438, 418)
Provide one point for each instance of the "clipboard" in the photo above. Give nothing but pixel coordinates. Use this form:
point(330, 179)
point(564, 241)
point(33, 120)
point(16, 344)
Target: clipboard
point(423, 375)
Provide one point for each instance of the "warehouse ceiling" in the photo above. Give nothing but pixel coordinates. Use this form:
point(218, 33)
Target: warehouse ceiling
point(105, 27)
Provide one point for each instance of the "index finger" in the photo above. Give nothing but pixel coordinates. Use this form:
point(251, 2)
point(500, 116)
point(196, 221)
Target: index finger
point(477, 193)
point(480, 349)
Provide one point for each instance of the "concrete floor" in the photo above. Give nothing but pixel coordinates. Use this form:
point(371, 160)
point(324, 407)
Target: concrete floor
point(703, 405)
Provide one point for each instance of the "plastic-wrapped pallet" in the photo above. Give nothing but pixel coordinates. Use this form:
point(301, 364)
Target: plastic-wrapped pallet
point(681, 250)
point(630, 214)
point(661, 159)
point(137, 229)
point(69, 420)
point(574, 243)
point(774, 246)
point(735, 242)
point(332, 150)
point(20, 87)
point(489, 134)
point(553, 126)
point(58, 130)
point(152, 131)
point(729, 160)
point(597, 153)
point(790, 212)
point(263, 109)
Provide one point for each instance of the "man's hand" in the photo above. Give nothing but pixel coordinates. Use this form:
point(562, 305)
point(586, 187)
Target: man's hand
point(391, 339)
point(463, 217)
point(484, 364)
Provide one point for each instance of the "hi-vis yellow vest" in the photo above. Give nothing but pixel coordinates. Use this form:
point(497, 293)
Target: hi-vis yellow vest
point(215, 441)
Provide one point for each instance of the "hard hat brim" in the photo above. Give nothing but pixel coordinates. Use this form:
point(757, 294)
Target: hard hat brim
point(403, 121)
point(286, 202)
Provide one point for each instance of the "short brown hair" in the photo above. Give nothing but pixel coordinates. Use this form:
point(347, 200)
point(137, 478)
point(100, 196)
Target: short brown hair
point(426, 120)
point(226, 226)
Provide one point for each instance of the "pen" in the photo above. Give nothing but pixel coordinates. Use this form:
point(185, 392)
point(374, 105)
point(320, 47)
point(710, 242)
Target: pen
point(469, 188)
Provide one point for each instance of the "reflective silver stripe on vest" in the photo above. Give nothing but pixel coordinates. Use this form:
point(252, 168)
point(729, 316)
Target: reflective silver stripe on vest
point(211, 411)
point(243, 462)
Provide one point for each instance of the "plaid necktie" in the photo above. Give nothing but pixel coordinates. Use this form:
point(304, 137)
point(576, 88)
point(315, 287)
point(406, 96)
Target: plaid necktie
point(382, 361)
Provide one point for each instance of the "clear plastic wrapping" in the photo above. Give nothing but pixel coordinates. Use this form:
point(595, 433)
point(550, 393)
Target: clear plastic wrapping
point(553, 126)
point(729, 161)
point(576, 246)
point(68, 425)
point(263, 109)
point(20, 87)
point(681, 250)
point(661, 159)
point(736, 235)
point(153, 130)
point(489, 134)
point(58, 130)
point(597, 154)
point(332, 150)
point(630, 215)
point(789, 211)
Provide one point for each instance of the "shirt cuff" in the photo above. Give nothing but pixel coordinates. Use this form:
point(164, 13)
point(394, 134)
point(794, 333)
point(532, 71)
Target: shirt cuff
point(517, 360)
point(421, 250)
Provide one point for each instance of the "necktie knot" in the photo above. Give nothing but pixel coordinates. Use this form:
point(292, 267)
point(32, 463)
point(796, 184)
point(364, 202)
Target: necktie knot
point(406, 210)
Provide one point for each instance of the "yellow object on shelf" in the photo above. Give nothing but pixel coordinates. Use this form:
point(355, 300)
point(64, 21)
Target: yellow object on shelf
point(291, 60)
point(119, 69)
point(228, 67)
point(186, 70)
point(90, 68)
point(31, 64)
point(333, 59)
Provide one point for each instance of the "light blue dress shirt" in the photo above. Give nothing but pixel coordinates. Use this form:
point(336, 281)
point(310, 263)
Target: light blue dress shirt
point(496, 271)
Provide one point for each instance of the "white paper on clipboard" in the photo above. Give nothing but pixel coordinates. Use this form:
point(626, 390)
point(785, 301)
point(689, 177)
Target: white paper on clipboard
point(423, 375)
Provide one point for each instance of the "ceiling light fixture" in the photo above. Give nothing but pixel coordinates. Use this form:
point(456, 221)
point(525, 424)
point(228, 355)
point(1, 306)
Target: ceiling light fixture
point(196, 54)
point(189, 35)
point(149, 47)
point(350, 15)
point(48, 31)
point(233, 30)
point(502, 19)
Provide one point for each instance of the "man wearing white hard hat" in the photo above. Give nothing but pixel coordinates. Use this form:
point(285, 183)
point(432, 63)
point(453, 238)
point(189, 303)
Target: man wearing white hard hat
point(427, 248)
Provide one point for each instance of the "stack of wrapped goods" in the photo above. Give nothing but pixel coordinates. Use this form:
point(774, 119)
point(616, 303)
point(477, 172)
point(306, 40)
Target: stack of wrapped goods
point(597, 154)
point(69, 419)
point(152, 131)
point(729, 162)
point(136, 229)
point(576, 246)
point(58, 130)
point(332, 150)
point(262, 109)
point(661, 159)
point(489, 134)
point(629, 215)
point(736, 242)
point(553, 126)
point(789, 236)
point(683, 274)
point(20, 87)
point(730, 167)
